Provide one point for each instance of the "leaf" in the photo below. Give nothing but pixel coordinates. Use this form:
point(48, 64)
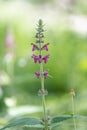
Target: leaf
point(30, 122)
point(60, 118)
point(57, 120)
point(55, 125)
point(80, 117)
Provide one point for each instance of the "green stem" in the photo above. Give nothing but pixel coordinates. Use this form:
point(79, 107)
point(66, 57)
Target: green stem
point(43, 96)
point(73, 112)
point(42, 87)
point(42, 79)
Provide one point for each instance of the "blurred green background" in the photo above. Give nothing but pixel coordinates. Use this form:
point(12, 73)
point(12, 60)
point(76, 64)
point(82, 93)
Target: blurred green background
point(66, 29)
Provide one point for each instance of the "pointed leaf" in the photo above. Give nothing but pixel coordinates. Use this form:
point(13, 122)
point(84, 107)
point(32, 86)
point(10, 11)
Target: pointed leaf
point(30, 122)
point(80, 117)
point(60, 118)
point(57, 120)
point(55, 125)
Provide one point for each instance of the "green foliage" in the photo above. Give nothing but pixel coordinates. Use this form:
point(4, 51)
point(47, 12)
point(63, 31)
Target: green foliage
point(39, 124)
point(55, 122)
point(29, 122)
point(36, 123)
point(60, 118)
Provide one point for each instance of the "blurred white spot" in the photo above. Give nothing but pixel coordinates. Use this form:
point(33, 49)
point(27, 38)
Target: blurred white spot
point(22, 62)
point(10, 102)
point(4, 78)
point(79, 24)
point(23, 110)
point(8, 57)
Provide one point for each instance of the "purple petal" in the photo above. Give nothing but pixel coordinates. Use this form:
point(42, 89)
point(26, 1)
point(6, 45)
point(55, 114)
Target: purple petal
point(45, 74)
point(45, 47)
point(37, 74)
point(35, 58)
point(45, 58)
point(40, 58)
point(35, 47)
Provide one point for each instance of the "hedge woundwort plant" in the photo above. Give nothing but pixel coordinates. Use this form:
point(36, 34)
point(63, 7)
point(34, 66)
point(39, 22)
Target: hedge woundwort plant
point(42, 74)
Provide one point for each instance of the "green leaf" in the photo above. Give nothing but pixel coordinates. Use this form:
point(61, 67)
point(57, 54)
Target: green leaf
point(80, 117)
point(55, 125)
point(60, 118)
point(57, 120)
point(30, 122)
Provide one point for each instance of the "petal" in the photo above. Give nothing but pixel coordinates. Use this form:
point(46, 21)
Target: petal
point(45, 58)
point(37, 74)
point(35, 47)
point(45, 47)
point(40, 58)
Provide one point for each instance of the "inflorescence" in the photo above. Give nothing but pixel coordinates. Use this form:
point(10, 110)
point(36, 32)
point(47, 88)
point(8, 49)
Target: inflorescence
point(38, 45)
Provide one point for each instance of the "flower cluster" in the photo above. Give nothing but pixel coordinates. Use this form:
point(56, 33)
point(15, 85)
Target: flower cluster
point(40, 46)
point(40, 58)
point(35, 47)
point(45, 74)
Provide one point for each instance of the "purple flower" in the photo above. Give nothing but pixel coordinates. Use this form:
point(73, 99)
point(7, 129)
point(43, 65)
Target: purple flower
point(45, 74)
point(40, 58)
point(37, 74)
point(35, 47)
point(35, 58)
point(45, 58)
point(45, 47)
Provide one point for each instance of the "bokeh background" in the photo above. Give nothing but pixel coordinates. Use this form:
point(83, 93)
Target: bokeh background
point(66, 30)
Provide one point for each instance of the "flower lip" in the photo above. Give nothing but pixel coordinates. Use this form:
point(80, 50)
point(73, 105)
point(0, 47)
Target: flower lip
point(35, 47)
point(40, 58)
point(35, 58)
point(45, 74)
point(37, 74)
point(45, 47)
point(45, 58)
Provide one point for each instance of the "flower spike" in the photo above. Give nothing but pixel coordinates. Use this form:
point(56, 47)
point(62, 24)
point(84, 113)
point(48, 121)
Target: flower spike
point(42, 74)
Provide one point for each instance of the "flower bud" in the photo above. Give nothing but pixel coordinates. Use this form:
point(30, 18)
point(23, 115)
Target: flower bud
point(72, 92)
